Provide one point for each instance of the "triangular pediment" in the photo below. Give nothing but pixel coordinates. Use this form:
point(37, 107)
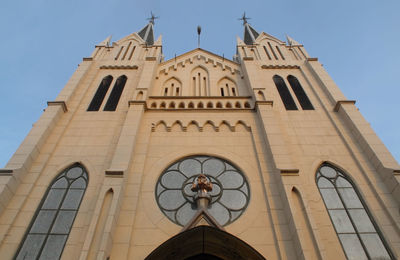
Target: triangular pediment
point(199, 52)
point(266, 36)
point(133, 36)
point(105, 43)
point(202, 218)
point(201, 58)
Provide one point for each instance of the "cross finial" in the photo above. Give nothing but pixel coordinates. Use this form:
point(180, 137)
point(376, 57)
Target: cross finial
point(152, 18)
point(244, 18)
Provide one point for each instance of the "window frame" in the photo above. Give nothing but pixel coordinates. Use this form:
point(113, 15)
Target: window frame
point(346, 208)
point(62, 175)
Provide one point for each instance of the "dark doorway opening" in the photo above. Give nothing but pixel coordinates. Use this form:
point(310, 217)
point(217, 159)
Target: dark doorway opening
point(204, 242)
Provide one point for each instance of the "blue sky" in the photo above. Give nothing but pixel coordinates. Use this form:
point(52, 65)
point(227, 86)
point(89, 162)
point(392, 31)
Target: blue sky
point(43, 41)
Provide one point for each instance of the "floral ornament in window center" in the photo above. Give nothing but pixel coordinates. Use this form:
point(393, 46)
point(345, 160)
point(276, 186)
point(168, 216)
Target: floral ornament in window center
point(202, 181)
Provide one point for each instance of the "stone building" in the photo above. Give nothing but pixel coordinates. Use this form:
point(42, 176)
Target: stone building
point(200, 157)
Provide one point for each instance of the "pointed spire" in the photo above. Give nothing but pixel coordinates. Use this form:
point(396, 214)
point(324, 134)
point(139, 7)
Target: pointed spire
point(106, 42)
point(291, 42)
point(250, 34)
point(147, 33)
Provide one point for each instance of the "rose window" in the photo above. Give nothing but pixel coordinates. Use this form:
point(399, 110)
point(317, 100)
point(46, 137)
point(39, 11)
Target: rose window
point(228, 198)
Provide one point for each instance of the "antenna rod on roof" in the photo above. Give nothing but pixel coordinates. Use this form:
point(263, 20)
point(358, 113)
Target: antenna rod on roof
point(198, 36)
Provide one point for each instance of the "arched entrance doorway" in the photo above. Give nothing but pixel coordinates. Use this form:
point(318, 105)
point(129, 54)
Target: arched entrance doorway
point(204, 242)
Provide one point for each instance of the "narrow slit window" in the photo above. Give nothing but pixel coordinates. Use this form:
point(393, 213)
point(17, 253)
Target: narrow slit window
point(119, 53)
point(280, 53)
point(166, 92)
point(233, 92)
point(222, 92)
point(116, 93)
point(177, 91)
point(127, 50)
point(133, 50)
point(300, 94)
point(266, 52)
point(355, 227)
point(194, 86)
point(50, 227)
point(100, 94)
point(284, 93)
point(272, 50)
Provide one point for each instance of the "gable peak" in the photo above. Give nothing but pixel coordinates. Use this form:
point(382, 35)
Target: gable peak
point(106, 42)
point(291, 42)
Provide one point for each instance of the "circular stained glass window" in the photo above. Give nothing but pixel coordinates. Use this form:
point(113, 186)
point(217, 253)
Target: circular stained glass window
point(228, 198)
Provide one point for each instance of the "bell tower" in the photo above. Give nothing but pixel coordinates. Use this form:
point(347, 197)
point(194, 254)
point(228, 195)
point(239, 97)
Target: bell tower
point(258, 157)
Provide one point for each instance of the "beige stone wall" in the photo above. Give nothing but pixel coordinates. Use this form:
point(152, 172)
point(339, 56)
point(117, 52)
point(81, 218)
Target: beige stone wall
point(125, 152)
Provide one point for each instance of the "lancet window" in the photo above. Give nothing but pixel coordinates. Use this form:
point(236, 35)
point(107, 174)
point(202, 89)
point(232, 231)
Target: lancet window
point(354, 225)
point(116, 93)
point(284, 93)
point(52, 223)
point(100, 94)
point(298, 90)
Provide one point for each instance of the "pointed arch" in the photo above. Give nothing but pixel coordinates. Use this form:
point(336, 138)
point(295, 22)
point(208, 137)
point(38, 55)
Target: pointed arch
point(171, 105)
point(241, 126)
point(247, 104)
point(139, 96)
point(101, 92)
point(191, 105)
point(50, 227)
point(260, 95)
point(204, 241)
point(357, 231)
point(154, 105)
point(116, 93)
point(177, 126)
point(163, 105)
point(298, 90)
point(227, 87)
point(172, 87)
point(200, 81)
point(161, 126)
point(209, 126)
point(303, 226)
point(200, 105)
point(228, 105)
point(193, 126)
point(210, 105)
point(182, 105)
point(284, 93)
point(100, 225)
point(224, 126)
point(238, 105)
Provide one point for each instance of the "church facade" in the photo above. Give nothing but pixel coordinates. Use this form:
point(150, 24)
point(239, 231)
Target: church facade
point(200, 157)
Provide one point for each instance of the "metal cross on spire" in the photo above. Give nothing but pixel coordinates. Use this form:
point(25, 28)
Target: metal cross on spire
point(152, 18)
point(244, 18)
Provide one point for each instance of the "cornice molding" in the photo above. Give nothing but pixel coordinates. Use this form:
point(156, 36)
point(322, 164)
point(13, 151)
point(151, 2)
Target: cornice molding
point(339, 103)
point(58, 103)
point(114, 173)
point(126, 67)
point(289, 172)
point(280, 66)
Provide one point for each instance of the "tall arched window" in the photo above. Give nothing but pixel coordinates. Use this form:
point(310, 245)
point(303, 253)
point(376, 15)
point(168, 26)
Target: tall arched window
point(116, 93)
point(50, 227)
point(100, 94)
point(284, 93)
point(354, 225)
point(299, 92)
